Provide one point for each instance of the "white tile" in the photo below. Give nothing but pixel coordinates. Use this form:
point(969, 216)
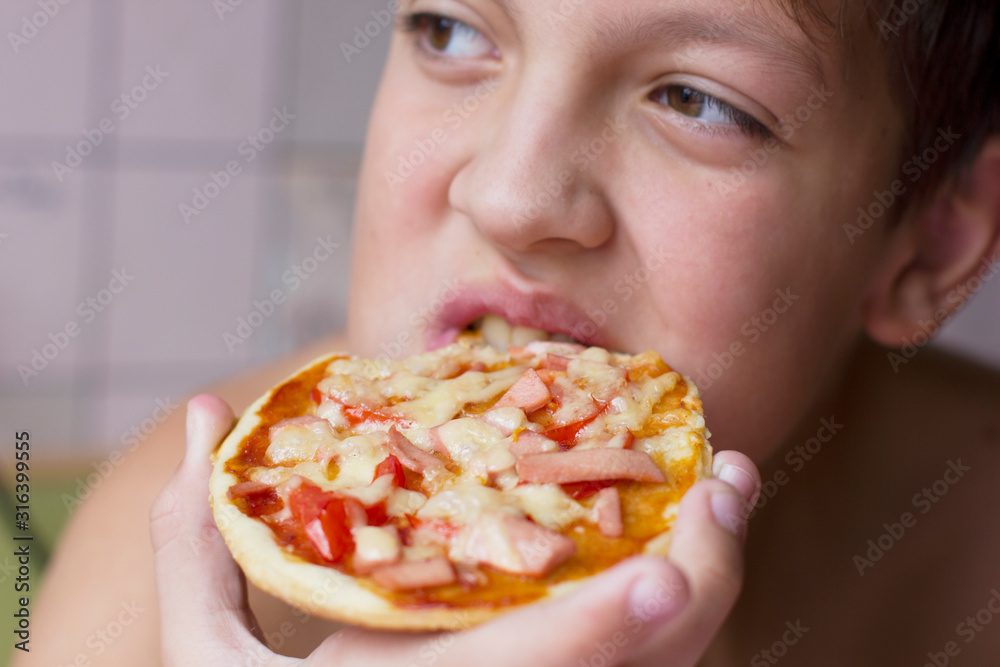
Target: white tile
point(40, 253)
point(45, 80)
point(335, 91)
point(50, 419)
point(215, 69)
point(192, 280)
point(321, 190)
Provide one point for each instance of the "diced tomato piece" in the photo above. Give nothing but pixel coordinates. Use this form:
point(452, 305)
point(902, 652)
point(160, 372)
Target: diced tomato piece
point(316, 395)
point(377, 514)
point(581, 490)
point(326, 519)
point(307, 502)
point(391, 466)
point(333, 538)
point(565, 435)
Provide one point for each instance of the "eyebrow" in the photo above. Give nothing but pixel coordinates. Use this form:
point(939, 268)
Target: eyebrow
point(685, 27)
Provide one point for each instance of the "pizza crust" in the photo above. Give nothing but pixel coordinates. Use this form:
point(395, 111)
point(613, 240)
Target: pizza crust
point(328, 593)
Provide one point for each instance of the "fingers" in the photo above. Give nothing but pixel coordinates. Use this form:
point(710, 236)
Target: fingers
point(202, 592)
point(601, 623)
point(707, 546)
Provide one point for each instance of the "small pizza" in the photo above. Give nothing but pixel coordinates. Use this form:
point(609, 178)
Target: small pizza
point(442, 490)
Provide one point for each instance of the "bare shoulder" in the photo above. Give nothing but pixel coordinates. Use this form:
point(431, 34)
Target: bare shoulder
point(103, 563)
point(882, 539)
point(947, 459)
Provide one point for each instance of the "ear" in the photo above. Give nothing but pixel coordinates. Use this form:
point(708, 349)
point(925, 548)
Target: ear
point(940, 256)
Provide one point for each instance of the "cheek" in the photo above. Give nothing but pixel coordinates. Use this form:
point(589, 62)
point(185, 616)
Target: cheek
point(760, 298)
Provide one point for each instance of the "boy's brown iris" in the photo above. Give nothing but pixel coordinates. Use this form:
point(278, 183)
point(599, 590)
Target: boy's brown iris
point(439, 32)
point(686, 100)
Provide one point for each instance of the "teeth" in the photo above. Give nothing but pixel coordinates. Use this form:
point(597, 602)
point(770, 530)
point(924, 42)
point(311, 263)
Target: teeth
point(521, 336)
point(498, 333)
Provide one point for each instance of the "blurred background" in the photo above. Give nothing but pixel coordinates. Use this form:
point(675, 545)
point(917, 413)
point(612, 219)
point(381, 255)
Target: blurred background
point(164, 166)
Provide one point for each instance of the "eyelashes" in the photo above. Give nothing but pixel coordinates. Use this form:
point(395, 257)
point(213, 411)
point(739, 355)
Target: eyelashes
point(708, 110)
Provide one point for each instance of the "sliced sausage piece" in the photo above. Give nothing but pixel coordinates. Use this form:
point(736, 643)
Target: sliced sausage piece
point(529, 442)
point(540, 549)
point(588, 465)
point(511, 544)
point(411, 575)
point(528, 393)
point(410, 455)
point(608, 512)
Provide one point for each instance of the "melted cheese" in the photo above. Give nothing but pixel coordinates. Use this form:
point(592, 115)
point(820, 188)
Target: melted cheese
point(548, 505)
point(294, 443)
point(357, 457)
point(463, 505)
point(448, 398)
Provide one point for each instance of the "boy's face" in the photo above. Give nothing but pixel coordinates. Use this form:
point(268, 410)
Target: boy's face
point(672, 175)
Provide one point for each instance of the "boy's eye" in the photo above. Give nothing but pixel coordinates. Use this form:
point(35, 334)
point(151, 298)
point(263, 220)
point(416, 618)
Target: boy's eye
point(706, 109)
point(448, 37)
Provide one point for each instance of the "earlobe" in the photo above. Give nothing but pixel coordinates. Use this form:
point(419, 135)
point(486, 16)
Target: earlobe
point(940, 256)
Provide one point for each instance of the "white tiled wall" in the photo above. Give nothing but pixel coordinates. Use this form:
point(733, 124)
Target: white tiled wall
point(218, 79)
point(221, 77)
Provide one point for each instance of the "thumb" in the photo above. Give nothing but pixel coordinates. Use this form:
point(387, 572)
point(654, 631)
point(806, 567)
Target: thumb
point(202, 592)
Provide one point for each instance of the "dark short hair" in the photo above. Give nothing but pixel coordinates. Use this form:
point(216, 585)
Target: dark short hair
point(944, 65)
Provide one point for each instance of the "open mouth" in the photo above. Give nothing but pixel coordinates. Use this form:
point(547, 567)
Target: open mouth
point(501, 334)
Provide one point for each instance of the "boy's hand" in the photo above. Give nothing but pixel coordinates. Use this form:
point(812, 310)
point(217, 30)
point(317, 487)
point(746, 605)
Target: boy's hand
point(643, 611)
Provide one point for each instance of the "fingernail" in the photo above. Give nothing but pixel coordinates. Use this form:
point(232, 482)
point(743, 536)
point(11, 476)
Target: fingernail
point(654, 599)
point(741, 480)
point(730, 512)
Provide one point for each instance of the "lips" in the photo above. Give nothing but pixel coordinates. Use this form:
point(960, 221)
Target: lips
point(508, 316)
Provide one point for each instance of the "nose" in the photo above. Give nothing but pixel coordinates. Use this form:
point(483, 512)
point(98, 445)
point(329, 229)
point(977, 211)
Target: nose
point(531, 176)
